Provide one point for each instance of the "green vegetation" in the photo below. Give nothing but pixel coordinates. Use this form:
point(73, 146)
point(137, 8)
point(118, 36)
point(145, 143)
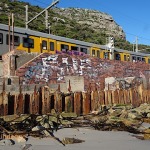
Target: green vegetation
point(60, 25)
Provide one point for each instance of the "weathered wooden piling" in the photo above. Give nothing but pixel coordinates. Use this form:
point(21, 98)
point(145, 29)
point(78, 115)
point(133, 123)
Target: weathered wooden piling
point(43, 100)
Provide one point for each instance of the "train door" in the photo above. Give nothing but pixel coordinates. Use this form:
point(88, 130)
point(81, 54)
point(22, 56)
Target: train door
point(126, 57)
point(106, 55)
point(117, 56)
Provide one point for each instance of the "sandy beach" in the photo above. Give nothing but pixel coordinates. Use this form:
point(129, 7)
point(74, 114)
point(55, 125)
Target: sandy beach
point(96, 140)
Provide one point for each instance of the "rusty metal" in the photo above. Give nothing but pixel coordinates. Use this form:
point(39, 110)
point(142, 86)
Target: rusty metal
point(19, 100)
point(78, 103)
point(121, 96)
point(86, 102)
point(43, 101)
point(94, 100)
point(58, 101)
point(102, 97)
point(69, 102)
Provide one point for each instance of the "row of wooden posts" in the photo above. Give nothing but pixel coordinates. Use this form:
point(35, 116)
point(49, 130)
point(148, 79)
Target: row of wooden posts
point(43, 101)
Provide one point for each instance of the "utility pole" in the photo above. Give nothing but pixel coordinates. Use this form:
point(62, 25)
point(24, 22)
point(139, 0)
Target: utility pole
point(46, 18)
point(12, 31)
point(136, 44)
point(9, 32)
point(26, 16)
point(133, 46)
point(46, 14)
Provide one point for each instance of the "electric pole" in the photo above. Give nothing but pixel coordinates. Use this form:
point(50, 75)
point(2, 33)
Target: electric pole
point(136, 44)
point(54, 2)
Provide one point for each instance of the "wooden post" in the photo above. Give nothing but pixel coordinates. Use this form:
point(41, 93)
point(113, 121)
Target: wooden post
point(77, 103)
point(86, 102)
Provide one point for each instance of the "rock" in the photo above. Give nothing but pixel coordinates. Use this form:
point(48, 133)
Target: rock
point(46, 133)
point(19, 139)
point(68, 115)
point(37, 128)
point(148, 115)
point(147, 134)
point(124, 114)
point(71, 141)
point(134, 115)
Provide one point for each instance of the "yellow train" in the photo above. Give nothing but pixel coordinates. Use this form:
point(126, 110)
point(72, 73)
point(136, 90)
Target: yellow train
point(38, 42)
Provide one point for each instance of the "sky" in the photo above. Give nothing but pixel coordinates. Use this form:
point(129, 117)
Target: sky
point(132, 15)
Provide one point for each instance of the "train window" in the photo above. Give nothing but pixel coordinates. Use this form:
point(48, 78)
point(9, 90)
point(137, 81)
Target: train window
point(143, 59)
point(52, 46)
point(93, 52)
point(1, 38)
point(28, 42)
point(84, 50)
point(128, 58)
point(74, 48)
point(133, 58)
point(16, 40)
point(98, 54)
point(117, 56)
point(125, 57)
point(139, 58)
point(64, 47)
point(106, 55)
point(44, 44)
point(149, 61)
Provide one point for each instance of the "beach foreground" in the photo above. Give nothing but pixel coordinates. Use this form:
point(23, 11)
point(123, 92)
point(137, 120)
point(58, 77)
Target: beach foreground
point(93, 139)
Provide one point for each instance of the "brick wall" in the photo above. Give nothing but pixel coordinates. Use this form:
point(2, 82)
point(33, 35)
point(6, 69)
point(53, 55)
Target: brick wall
point(53, 68)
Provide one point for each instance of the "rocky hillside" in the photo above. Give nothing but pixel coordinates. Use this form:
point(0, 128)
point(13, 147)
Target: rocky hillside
point(81, 24)
point(96, 20)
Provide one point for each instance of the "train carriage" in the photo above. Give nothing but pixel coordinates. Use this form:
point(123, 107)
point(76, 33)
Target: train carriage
point(38, 42)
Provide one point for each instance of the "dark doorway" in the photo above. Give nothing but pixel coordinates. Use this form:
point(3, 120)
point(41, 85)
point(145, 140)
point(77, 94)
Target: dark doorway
point(63, 103)
point(27, 104)
point(11, 104)
point(52, 102)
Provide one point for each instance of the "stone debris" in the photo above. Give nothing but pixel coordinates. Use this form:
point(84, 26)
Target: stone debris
point(106, 118)
point(71, 140)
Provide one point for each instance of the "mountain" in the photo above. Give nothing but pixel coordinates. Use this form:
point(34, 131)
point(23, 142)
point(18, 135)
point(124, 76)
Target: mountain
point(81, 24)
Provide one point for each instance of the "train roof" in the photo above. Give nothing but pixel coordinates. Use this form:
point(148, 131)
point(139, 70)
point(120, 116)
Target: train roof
point(55, 37)
point(131, 52)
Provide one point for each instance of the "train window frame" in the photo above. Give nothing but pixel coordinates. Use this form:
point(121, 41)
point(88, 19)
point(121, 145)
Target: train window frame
point(138, 58)
point(52, 46)
point(84, 50)
point(74, 48)
point(44, 44)
point(106, 55)
point(16, 40)
point(134, 60)
point(64, 47)
point(117, 56)
point(98, 53)
point(93, 52)
point(128, 58)
point(29, 42)
point(125, 57)
point(1, 38)
point(143, 59)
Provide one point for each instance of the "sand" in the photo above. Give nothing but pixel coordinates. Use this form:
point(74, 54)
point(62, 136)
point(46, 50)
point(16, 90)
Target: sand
point(94, 140)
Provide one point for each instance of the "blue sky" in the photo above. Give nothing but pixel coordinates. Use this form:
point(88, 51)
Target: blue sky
point(132, 15)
